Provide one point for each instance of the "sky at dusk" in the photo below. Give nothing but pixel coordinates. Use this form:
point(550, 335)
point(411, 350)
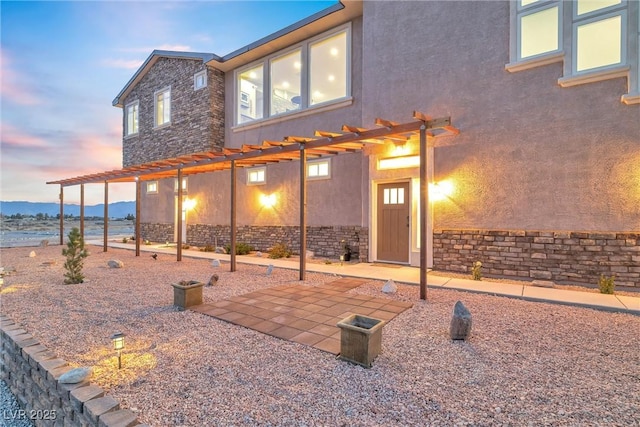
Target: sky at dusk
point(63, 62)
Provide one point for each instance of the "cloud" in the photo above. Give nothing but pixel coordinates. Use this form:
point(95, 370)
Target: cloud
point(129, 64)
point(14, 87)
point(13, 138)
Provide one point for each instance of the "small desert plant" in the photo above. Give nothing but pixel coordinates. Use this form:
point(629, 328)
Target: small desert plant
point(476, 270)
point(75, 253)
point(147, 242)
point(186, 246)
point(327, 261)
point(241, 248)
point(125, 239)
point(208, 248)
point(607, 284)
point(279, 250)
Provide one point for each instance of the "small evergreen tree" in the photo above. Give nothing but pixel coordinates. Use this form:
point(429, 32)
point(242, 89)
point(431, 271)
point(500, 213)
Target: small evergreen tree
point(75, 253)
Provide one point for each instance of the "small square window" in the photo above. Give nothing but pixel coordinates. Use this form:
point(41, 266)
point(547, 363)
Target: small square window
point(319, 169)
point(184, 185)
point(152, 187)
point(256, 176)
point(200, 80)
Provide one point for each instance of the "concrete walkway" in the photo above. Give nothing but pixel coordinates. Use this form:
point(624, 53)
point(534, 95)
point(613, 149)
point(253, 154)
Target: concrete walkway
point(411, 275)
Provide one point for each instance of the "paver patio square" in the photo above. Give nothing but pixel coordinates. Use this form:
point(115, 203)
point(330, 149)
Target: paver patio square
point(283, 309)
point(307, 338)
point(221, 304)
point(314, 308)
point(363, 311)
point(248, 321)
point(325, 303)
point(337, 309)
point(384, 315)
point(319, 317)
point(330, 345)
point(303, 324)
point(266, 305)
point(266, 326)
point(298, 312)
point(264, 313)
point(284, 319)
point(309, 299)
point(325, 330)
point(297, 304)
point(230, 316)
point(285, 332)
point(372, 304)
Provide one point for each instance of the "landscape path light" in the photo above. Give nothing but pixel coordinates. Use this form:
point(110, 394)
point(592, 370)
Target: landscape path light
point(118, 346)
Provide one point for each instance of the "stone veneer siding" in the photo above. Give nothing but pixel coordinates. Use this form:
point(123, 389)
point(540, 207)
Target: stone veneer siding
point(559, 256)
point(31, 371)
point(197, 116)
point(324, 241)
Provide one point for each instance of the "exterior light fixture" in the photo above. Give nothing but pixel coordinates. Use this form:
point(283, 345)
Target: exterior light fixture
point(189, 204)
point(118, 346)
point(440, 190)
point(268, 201)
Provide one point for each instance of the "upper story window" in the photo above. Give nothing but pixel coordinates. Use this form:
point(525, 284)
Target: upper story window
point(592, 47)
point(131, 123)
point(257, 175)
point(319, 169)
point(309, 74)
point(162, 107)
point(152, 187)
point(200, 80)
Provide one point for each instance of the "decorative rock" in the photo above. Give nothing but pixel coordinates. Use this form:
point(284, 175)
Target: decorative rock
point(460, 322)
point(258, 254)
point(310, 254)
point(213, 281)
point(32, 254)
point(269, 269)
point(543, 283)
point(220, 250)
point(115, 263)
point(75, 376)
point(390, 287)
point(215, 262)
point(44, 243)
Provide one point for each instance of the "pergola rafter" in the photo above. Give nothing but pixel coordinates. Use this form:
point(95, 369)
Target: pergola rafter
point(350, 139)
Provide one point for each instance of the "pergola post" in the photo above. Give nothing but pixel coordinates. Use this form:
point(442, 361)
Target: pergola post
point(106, 216)
point(138, 201)
point(303, 212)
point(61, 215)
point(424, 200)
point(233, 215)
point(82, 211)
point(179, 219)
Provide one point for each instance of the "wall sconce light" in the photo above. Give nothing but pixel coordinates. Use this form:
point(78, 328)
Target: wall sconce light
point(268, 201)
point(118, 345)
point(400, 150)
point(440, 190)
point(189, 204)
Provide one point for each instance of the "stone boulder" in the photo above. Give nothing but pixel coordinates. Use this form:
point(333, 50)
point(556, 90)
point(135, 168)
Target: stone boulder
point(115, 263)
point(32, 254)
point(215, 262)
point(390, 287)
point(213, 281)
point(460, 322)
point(75, 376)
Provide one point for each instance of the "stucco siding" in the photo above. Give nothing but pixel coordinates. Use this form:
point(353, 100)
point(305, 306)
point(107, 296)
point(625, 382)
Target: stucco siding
point(531, 155)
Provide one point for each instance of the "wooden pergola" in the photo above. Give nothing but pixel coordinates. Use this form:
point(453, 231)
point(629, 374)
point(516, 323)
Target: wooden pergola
point(349, 139)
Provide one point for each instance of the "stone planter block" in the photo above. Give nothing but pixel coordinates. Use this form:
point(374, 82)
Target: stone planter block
point(360, 339)
point(187, 295)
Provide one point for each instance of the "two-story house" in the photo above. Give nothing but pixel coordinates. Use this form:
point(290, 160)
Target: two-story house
point(542, 182)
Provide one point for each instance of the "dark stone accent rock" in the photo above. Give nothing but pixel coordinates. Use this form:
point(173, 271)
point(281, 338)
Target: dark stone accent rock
point(213, 281)
point(460, 322)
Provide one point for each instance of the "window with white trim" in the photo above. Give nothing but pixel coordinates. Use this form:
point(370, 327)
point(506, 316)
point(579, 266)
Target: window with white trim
point(319, 169)
point(200, 80)
point(257, 175)
point(152, 187)
point(184, 184)
point(311, 73)
point(162, 107)
point(131, 122)
point(596, 47)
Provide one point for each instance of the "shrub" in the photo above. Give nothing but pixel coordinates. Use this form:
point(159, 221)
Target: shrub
point(125, 239)
point(208, 248)
point(607, 284)
point(241, 248)
point(279, 250)
point(476, 270)
point(75, 253)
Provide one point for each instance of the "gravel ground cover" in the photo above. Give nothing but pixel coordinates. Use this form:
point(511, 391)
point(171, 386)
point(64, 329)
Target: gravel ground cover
point(526, 363)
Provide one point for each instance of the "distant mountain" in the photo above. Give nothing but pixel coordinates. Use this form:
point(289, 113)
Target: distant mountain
point(116, 209)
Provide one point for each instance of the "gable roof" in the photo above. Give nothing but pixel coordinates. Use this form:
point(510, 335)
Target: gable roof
point(291, 34)
point(151, 60)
